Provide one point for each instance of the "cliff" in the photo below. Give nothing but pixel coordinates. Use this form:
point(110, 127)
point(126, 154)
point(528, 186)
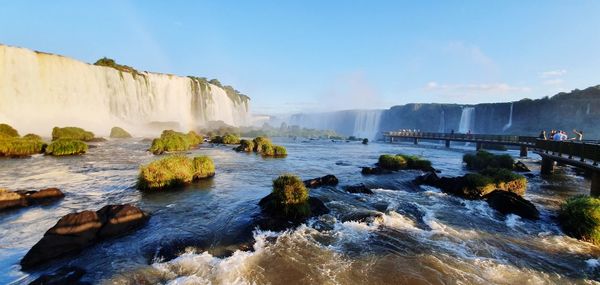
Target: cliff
point(40, 90)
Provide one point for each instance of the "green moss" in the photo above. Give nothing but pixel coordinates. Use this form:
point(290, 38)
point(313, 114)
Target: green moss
point(203, 167)
point(291, 196)
point(416, 162)
point(481, 184)
point(119, 133)
point(61, 147)
point(6, 131)
point(580, 218)
point(279, 150)
point(259, 142)
point(231, 139)
point(392, 162)
point(267, 150)
point(32, 137)
point(174, 141)
point(507, 180)
point(108, 62)
point(246, 146)
point(483, 159)
point(73, 133)
point(173, 171)
point(19, 147)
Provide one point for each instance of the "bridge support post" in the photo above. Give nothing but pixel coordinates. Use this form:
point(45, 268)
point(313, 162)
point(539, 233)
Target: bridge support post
point(478, 146)
point(523, 151)
point(416, 141)
point(547, 165)
point(447, 143)
point(595, 189)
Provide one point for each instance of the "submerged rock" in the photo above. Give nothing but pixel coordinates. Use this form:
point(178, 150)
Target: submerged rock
point(359, 188)
point(327, 180)
point(68, 275)
point(519, 166)
point(272, 218)
point(76, 231)
point(18, 199)
point(374, 171)
point(363, 216)
point(510, 203)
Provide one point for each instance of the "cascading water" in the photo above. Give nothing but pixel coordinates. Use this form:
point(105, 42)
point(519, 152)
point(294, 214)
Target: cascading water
point(467, 119)
point(366, 124)
point(442, 127)
point(509, 124)
point(587, 112)
point(39, 91)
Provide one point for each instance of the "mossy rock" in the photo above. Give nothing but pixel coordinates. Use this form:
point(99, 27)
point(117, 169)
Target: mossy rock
point(32, 137)
point(21, 147)
point(231, 139)
point(507, 180)
point(279, 150)
point(291, 196)
point(63, 147)
point(171, 141)
point(580, 218)
point(365, 141)
point(483, 159)
point(416, 162)
point(194, 138)
point(173, 171)
point(245, 146)
point(392, 162)
point(73, 133)
point(6, 131)
point(119, 133)
point(259, 142)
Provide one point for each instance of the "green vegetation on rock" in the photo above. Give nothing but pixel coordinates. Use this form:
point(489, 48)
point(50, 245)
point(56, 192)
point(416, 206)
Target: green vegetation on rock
point(263, 146)
point(119, 133)
point(62, 147)
point(174, 141)
point(392, 162)
point(580, 218)
point(259, 142)
point(226, 139)
point(20, 147)
point(173, 171)
point(109, 62)
point(483, 159)
point(6, 131)
point(291, 196)
point(32, 137)
point(246, 146)
point(73, 133)
point(416, 162)
point(507, 180)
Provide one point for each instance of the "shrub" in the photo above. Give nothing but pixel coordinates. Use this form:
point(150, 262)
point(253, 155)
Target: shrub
point(392, 162)
point(580, 218)
point(483, 159)
point(32, 137)
point(61, 147)
point(173, 171)
point(119, 133)
point(415, 162)
point(18, 147)
point(216, 139)
point(174, 141)
point(291, 196)
point(245, 145)
point(279, 150)
point(7, 131)
point(203, 167)
point(73, 133)
point(259, 142)
point(231, 139)
point(267, 150)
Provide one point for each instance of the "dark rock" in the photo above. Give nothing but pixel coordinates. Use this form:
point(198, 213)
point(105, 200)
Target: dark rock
point(363, 216)
point(100, 139)
point(510, 203)
point(10, 199)
point(519, 166)
point(76, 231)
point(272, 218)
point(360, 188)
point(327, 180)
point(44, 196)
point(63, 276)
point(429, 178)
point(17, 199)
point(381, 206)
point(374, 170)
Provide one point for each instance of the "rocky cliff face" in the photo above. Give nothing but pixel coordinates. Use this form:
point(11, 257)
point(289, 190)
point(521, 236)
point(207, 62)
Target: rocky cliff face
point(578, 109)
point(39, 91)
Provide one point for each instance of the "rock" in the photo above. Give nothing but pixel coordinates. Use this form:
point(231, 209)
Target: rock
point(519, 166)
point(17, 199)
point(99, 139)
point(359, 188)
point(363, 216)
point(272, 219)
point(327, 180)
point(510, 203)
point(10, 199)
point(67, 275)
point(76, 231)
point(374, 170)
point(429, 178)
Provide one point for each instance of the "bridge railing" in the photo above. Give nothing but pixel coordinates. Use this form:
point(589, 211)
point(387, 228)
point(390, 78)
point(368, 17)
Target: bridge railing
point(468, 137)
point(583, 150)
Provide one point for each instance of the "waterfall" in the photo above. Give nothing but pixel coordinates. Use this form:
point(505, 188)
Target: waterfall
point(467, 119)
point(39, 91)
point(366, 124)
point(587, 112)
point(509, 124)
point(442, 127)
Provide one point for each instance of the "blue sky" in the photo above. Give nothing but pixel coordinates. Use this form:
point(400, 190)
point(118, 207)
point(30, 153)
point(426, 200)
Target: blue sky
point(291, 56)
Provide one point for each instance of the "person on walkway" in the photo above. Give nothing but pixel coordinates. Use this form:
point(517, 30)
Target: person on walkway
point(552, 134)
point(542, 135)
point(578, 135)
point(557, 136)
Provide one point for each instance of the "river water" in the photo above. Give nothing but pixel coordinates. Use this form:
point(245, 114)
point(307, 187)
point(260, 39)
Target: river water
point(424, 237)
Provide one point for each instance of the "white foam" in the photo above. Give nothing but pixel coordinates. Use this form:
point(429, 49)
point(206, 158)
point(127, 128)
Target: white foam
point(592, 263)
point(513, 221)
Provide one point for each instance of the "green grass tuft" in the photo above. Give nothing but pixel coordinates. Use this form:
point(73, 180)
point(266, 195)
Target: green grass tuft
point(119, 133)
point(291, 196)
point(392, 162)
point(259, 142)
point(174, 171)
point(32, 137)
point(6, 131)
point(61, 147)
point(73, 133)
point(174, 141)
point(483, 159)
point(580, 218)
point(20, 147)
point(246, 146)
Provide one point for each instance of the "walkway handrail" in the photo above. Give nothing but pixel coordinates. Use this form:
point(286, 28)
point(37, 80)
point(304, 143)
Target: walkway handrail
point(513, 139)
point(582, 150)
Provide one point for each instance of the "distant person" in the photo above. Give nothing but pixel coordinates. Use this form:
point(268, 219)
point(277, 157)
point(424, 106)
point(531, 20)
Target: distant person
point(551, 136)
point(563, 136)
point(542, 135)
point(452, 131)
point(557, 136)
point(578, 135)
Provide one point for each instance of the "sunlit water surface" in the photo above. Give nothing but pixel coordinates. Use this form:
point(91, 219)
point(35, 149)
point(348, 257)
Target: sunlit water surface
point(425, 236)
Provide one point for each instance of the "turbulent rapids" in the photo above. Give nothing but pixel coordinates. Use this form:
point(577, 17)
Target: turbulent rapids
point(39, 91)
point(196, 235)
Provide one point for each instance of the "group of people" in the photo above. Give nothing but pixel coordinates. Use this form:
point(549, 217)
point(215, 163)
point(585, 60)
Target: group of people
point(559, 135)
